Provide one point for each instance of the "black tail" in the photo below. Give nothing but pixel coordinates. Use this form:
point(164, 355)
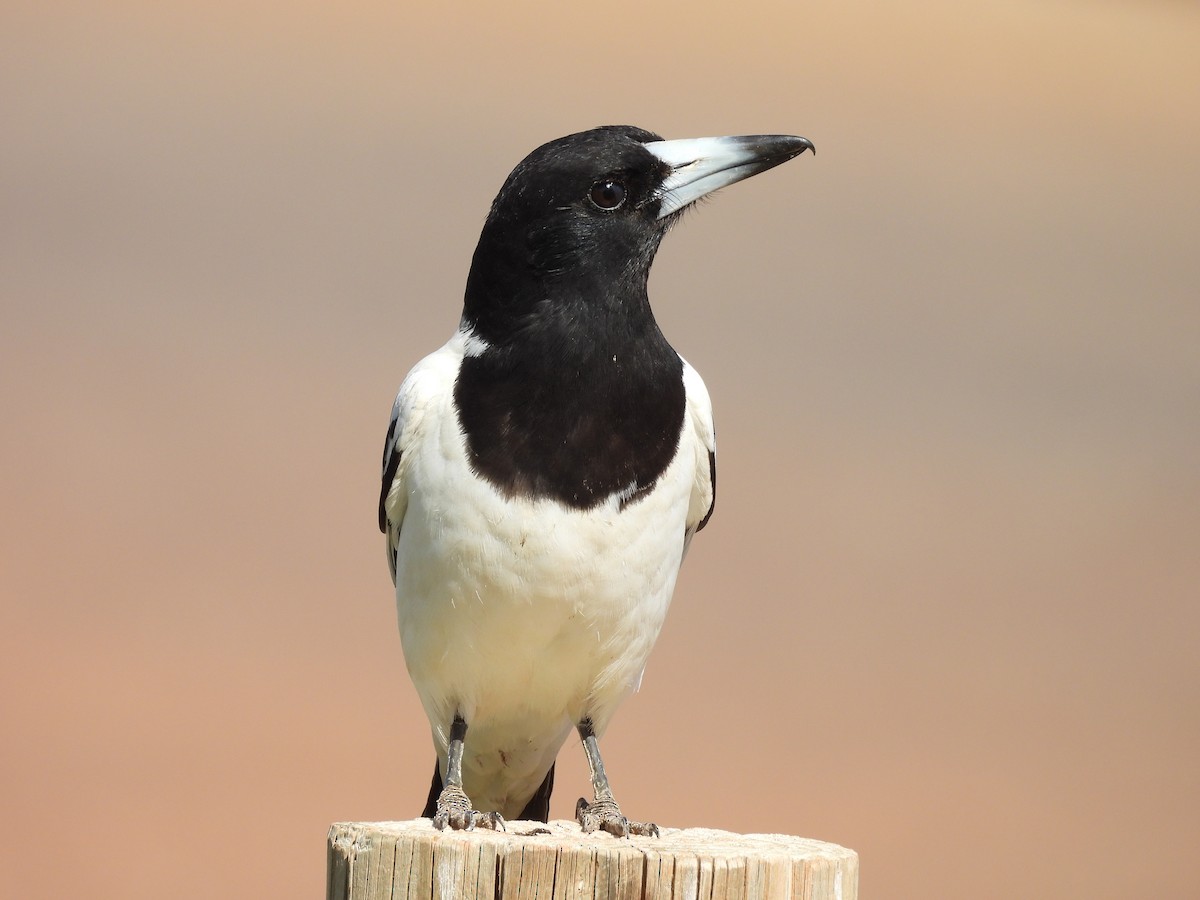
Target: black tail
point(434, 793)
point(536, 810)
point(538, 807)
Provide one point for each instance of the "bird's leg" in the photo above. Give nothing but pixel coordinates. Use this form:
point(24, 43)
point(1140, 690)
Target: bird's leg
point(453, 805)
point(603, 812)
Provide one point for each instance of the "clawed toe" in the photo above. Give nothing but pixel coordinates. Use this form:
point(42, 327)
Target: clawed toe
point(454, 810)
point(605, 815)
point(468, 820)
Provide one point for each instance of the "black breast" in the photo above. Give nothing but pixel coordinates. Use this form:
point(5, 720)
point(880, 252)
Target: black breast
point(576, 432)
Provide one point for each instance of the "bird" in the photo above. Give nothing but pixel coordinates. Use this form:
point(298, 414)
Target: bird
point(545, 471)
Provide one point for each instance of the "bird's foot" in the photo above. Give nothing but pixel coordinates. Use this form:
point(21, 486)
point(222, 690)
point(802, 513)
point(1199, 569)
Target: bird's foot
point(454, 809)
point(605, 815)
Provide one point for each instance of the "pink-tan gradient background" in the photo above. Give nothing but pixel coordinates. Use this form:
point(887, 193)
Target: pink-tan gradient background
point(947, 611)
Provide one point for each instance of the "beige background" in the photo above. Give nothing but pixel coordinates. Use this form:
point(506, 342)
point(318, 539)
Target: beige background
point(946, 613)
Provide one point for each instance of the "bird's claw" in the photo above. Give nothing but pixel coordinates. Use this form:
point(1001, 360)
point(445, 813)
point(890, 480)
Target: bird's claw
point(454, 809)
point(605, 815)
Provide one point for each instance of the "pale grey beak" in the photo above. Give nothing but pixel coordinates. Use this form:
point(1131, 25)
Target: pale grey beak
point(700, 166)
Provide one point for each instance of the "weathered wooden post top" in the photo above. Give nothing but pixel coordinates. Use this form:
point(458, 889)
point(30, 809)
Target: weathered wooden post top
point(534, 861)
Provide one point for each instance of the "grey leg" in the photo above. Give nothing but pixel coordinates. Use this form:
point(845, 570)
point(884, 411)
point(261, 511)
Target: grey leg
point(603, 812)
point(453, 805)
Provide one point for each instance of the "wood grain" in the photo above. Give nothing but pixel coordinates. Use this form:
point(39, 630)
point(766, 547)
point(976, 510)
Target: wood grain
point(532, 861)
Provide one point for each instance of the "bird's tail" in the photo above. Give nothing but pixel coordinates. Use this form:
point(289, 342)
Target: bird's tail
point(538, 807)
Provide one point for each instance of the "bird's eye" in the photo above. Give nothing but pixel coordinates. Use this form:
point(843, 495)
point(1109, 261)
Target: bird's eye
point(607, 194)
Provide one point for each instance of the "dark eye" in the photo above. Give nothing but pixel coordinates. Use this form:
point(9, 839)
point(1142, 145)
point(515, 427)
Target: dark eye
point(607, 194)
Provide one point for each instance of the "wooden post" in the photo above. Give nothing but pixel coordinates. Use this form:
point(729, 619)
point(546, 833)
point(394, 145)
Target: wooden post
point(532, 861)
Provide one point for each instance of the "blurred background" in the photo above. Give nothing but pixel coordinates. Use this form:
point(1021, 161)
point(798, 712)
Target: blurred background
point(946, 613)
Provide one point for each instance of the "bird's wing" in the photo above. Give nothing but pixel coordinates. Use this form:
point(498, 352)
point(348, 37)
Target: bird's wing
point(704, 487)
point(407, 414)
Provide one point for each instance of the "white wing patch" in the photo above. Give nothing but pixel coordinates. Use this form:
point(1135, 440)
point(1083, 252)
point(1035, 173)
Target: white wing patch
point(431, 377)
point(699, 413)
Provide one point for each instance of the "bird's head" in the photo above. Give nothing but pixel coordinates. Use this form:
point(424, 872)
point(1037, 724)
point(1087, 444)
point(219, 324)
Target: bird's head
point(583, 216)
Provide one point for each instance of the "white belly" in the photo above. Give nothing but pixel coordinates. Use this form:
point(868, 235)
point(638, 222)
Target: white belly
point(525, 617)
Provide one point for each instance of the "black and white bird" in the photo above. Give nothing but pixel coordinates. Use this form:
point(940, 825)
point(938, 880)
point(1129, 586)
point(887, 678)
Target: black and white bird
point(545, 471)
